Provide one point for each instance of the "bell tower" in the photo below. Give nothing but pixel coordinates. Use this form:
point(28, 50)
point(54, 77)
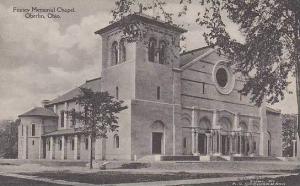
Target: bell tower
point(138, 55)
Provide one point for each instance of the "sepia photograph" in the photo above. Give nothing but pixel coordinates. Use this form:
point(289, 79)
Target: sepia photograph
point(149, 92)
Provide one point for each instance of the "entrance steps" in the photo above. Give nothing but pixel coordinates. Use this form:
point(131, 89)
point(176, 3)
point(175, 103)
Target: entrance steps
point(255, 158)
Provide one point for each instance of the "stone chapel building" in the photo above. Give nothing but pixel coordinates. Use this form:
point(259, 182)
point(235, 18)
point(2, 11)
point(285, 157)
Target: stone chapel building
point(178, 104)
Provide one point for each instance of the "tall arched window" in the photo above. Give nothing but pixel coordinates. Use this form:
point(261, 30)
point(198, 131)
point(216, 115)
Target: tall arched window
point(116, 141)
point(162, 52)
point(122, 50)
point(151, 49)
point(115, 53)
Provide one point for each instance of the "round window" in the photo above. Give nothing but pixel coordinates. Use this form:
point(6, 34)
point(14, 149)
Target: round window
point(222, 77)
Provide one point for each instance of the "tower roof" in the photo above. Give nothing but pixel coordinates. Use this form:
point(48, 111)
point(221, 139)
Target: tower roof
point(39, 111)
point(144, 18)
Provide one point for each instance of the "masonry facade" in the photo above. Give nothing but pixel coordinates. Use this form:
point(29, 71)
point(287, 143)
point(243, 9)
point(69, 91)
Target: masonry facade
point(178, 104)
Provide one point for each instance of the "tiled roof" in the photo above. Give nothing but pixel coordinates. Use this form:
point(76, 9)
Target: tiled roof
point(93, 84)
point(61, 132)
point(188, 56)
point(39, 111)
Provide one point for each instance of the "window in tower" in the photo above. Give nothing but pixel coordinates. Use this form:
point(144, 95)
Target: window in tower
point(122, 50)
point(158, 93)
point(116, 141)
point(162, 52)
point(33, 130)
point(115, 53)
point(117, 92)
point(151, 49)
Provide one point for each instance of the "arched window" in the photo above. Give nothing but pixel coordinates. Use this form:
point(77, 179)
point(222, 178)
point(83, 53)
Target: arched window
point(86, 143)
point(116, 141)
point(122, 51)
point(162, 52)
point(151, 49)
point(117, 92)
point(115, 53)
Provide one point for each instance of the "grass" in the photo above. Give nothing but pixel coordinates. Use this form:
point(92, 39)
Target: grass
point(113, 177)
point(12, 181)
point(293, 180)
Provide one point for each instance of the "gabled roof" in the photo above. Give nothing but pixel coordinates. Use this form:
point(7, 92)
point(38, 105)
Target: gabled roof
point(93, 84)
point(39, 111)
point(144, 18)
point(272, 110)
point(189, 56)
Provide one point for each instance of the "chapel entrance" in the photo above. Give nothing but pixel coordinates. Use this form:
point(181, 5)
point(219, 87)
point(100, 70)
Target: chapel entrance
point(202, 143)
point(157, 142)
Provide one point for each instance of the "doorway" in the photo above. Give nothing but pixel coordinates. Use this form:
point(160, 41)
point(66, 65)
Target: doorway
point(202, 143)
point(157, 142)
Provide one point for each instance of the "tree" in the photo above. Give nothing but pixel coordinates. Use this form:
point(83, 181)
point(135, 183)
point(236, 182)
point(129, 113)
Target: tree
point(270, 52)
point(9, 140)
point(289, 129)
point(98, 114)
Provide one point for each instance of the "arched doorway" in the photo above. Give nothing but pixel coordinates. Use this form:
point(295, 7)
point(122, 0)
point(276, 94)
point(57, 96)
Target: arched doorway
point(244, 142)
point(157, 137)
point(204, 126)
point(225, 126)
point(186, 136)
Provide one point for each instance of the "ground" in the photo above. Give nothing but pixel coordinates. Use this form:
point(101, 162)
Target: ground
point(15, 172)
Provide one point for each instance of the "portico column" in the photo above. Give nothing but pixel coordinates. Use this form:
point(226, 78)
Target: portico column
point(220, 142)
point(235, 128)
point(294, 148)
point(51, 148)
point(194, 132)
point(62, 148)
point(75, 147)
point(208, 144)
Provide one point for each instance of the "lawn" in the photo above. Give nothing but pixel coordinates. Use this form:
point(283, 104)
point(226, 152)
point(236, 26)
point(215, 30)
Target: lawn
point(12, 181)
point(113, 177)
point(293, 180)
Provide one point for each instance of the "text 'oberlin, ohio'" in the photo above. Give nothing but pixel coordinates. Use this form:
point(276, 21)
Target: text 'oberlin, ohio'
point(34, 12)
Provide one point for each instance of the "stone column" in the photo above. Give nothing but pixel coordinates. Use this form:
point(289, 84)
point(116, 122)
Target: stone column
point(62, 147)
point(66, 116)
point(220, 143)
point(25, 140)
point(51, 148)
point(294, 148)
point(194, 134)
point(207, 144)
point(75, 147)
point(262, 129)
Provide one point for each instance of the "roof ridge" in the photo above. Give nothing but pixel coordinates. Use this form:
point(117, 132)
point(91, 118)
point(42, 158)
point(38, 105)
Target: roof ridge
point(195, 50)
point(94, 79)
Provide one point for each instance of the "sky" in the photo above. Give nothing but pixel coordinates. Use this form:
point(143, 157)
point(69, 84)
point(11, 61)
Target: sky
point(43, 58)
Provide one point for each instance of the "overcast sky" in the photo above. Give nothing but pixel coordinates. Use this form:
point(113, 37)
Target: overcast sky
point(43, 58)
